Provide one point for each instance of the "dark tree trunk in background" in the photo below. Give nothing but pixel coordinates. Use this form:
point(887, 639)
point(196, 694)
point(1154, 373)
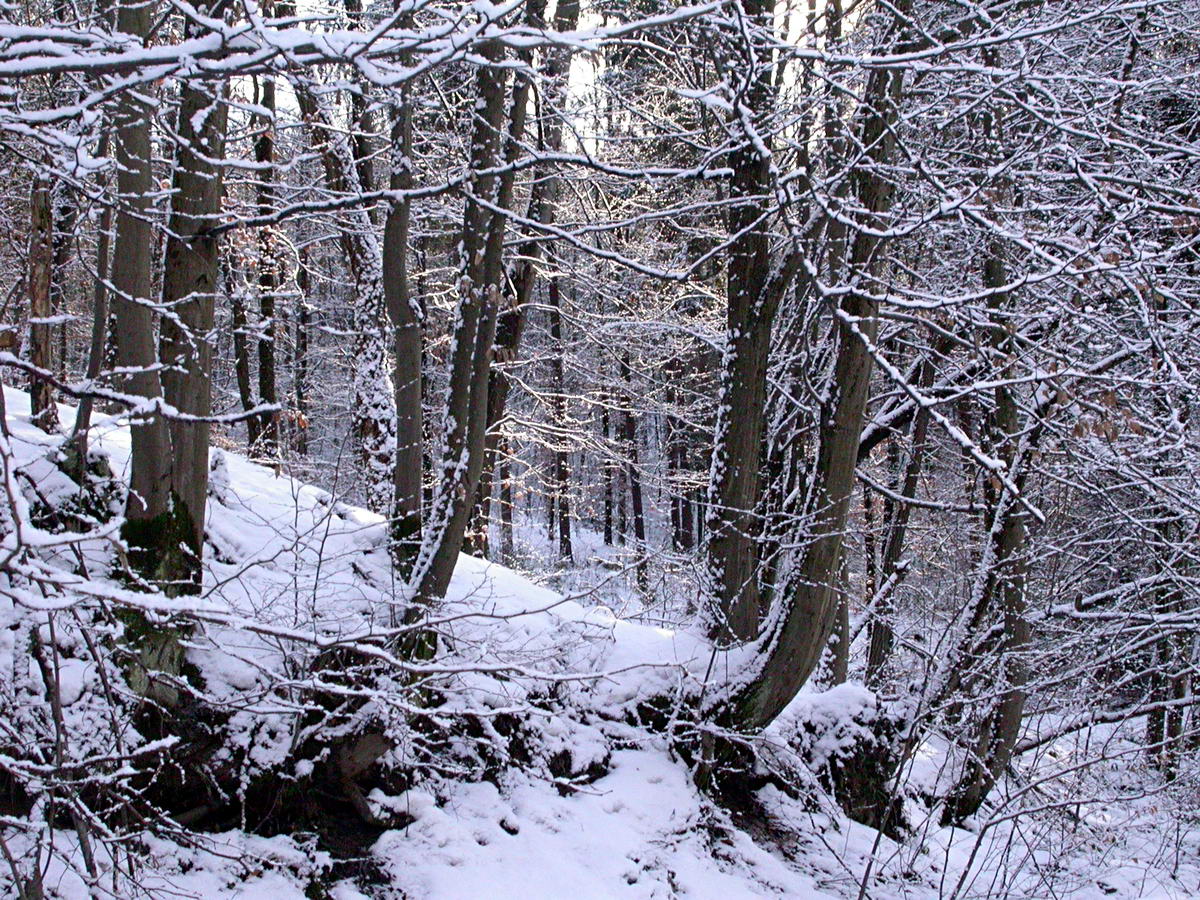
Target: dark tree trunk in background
point(1006, 575)
point(241, 359)
point(630, 440)
point(300, 365)
point(561, 477)
point(506, 506)
point(373, 403)
point(606, 473)
point(269, 265)
point(880, 630)
point(78, 447)
point(66, 214)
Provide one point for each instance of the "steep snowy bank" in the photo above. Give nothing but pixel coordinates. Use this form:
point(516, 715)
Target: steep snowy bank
point(289, 566)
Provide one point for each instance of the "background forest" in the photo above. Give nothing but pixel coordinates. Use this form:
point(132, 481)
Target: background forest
point(826, 369)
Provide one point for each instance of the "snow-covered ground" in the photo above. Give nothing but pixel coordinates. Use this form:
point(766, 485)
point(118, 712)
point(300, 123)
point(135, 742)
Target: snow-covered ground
point(297, 563)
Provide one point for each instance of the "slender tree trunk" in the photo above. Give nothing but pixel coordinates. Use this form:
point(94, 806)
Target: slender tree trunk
point(561, 463)
point(880, 630)
point(1006, 580)
point(407, 317)
point(78, 445)
point(506, 505)
point(518, 287)
point(300, 366)
point(374, 399)
point(66, 214)
point(608, 475)
point(269, 263)
point(630, 439)
point(241, 361)
point(43, 411)
point(465, 405)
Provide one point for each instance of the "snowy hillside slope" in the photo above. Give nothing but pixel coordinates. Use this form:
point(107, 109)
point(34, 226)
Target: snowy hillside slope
point(287, 561)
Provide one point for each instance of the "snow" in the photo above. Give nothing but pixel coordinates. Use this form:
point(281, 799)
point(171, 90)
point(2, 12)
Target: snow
point(294, 560)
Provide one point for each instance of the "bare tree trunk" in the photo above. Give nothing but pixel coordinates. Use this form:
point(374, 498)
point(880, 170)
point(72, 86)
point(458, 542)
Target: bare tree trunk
point(506, 505)
point(374, 402)
point(751, 303)
point(241, 361)
point(190, 279)
point(466, 400)
point(407, 317)
point(880, 631)
point(269, 263)
point(43, 411)
point(607, 473)
point(149, 481)
point(1006, 581)
point(78, 444)
point(805, 607)
point(166, 540)
point(561, 464)
point(300, 362)
point(518, 287)
point(66, 214)
point(629, 437)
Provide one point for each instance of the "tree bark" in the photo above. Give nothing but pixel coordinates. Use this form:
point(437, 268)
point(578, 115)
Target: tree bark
point(78, 444)
point(630, 440)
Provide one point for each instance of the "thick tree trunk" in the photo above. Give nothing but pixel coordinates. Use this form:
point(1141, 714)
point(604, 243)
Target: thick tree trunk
point(189, 289)
point(149, 480)
point(751, 303)
point(165, 524)
point(43, 412)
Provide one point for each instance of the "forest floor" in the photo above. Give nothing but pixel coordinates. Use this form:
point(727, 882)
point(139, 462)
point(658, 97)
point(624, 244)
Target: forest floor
point(291, 556)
